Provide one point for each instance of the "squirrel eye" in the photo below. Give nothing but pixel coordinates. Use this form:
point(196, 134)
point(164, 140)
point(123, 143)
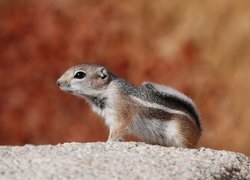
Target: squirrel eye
point(103, 76)
point(80, 75)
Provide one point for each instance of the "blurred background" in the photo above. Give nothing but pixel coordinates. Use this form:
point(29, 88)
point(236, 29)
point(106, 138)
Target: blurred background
point(199, 47)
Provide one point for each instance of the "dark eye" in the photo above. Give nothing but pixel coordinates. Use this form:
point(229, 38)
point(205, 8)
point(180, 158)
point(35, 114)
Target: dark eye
point(80, 75)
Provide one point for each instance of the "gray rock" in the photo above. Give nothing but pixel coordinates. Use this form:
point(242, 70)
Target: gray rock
point(119, 161)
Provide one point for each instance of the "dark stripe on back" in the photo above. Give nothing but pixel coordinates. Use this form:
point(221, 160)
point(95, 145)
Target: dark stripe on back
point(152, 113)
point(177, 103)
point(149, 93)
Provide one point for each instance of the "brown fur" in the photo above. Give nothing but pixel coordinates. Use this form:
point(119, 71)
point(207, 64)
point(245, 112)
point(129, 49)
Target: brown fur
point(125, 114)
point(189, 131)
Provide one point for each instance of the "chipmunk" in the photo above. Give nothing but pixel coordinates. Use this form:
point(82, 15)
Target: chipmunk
point(154, 113)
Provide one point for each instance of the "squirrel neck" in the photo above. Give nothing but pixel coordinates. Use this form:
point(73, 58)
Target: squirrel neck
point(116, 87)
point(98, 101)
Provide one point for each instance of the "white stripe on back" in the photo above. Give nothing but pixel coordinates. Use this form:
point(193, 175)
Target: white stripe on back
point(158, 106)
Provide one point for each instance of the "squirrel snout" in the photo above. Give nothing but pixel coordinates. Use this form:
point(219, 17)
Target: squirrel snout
point(62, 84)
point(58, 83)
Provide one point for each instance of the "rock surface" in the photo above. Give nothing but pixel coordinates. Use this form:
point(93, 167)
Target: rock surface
point(119, 161)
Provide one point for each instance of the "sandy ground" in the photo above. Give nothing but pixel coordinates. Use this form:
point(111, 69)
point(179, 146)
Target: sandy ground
point(119, 161)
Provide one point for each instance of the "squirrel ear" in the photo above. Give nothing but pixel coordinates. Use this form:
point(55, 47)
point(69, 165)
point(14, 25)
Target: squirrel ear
point(103, 73)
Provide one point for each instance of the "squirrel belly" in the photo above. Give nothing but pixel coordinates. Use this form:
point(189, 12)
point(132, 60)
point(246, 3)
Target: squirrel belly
point(154, 113)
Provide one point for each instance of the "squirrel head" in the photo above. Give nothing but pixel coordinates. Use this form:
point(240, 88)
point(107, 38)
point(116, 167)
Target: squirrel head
point(85, 79)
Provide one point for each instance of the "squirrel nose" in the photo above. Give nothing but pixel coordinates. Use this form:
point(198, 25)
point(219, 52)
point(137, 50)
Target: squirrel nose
point(58, 83)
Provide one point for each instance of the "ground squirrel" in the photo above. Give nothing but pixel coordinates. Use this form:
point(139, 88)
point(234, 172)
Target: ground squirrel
point(154, 113)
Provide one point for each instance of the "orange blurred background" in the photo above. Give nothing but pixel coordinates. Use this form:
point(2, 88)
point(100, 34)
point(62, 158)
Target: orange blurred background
point(199, 47)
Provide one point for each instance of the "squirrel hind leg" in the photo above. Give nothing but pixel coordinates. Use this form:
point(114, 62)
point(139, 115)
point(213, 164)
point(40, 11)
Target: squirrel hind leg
point(173, 135)
point(165, 133)
point(181, 133)
point(190, 132)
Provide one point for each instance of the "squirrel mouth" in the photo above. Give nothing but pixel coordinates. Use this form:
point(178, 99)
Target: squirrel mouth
point(66, 88)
